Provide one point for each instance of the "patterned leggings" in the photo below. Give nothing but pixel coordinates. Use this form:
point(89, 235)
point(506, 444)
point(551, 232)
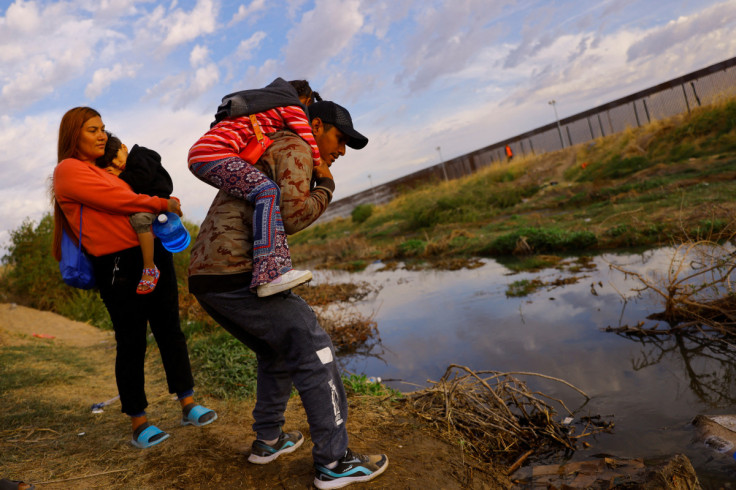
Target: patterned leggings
point(271, 257)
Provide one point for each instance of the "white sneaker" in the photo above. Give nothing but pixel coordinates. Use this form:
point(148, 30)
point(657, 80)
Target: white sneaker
point(291, 279)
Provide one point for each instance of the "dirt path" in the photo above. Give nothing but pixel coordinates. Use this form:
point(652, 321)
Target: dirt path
point(52, 438)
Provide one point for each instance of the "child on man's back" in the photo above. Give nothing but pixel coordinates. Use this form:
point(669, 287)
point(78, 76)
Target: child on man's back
point(225, 156)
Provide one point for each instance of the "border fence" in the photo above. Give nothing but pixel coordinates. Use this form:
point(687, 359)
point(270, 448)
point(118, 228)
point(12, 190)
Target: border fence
point(676, 96)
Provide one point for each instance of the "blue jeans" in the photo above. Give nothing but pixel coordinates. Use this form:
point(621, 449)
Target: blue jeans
point(291, 347)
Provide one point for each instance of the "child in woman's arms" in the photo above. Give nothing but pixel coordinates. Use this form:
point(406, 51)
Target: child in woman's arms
point(142, 170)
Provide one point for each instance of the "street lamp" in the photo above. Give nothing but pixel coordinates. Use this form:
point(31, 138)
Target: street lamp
point(557, 119)
point(373, 190)
point(442, 162)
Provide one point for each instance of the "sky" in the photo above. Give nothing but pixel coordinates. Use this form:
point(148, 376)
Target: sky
point(416, 75)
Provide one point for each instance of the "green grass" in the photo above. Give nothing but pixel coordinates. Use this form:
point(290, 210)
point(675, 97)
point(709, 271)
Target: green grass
point(543, 240)
point(359, 384)
point(225, 367)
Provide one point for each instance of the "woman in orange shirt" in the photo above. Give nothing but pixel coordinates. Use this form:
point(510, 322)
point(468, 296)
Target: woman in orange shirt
point(105, 201)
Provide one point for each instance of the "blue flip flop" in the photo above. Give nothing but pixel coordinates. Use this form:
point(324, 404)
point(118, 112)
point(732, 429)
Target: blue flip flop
point(198, 415)
point(148, 435)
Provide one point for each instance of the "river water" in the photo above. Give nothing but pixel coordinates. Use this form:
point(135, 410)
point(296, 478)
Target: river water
point(651, 390)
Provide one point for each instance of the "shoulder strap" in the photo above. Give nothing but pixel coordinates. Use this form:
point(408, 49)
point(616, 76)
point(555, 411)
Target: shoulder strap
point(81, 208)
point(256, 127)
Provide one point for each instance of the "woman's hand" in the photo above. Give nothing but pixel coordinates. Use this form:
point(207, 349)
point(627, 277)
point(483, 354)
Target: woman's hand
point(174, 206)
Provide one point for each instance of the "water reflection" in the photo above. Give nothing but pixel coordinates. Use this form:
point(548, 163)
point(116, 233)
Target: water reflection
point(709, 363)
point(430, 319)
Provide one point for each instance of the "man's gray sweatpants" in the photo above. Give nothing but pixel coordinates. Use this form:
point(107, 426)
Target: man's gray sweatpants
point(290, 346)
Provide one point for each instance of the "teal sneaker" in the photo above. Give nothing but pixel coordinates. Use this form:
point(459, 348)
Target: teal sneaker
point(351, 468)
point(288, 442)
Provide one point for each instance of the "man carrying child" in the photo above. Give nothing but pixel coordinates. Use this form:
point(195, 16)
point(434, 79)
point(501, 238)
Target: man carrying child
point(283, 331)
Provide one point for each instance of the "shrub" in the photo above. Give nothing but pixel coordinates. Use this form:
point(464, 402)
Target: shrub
point(362, 212)
point(412, 248)
point(32, 277)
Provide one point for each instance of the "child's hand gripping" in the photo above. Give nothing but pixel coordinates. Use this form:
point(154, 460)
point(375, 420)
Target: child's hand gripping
point(321, 170)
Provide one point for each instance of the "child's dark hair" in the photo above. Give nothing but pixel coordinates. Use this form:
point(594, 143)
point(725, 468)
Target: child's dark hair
point(111, 151)
point(304, 90)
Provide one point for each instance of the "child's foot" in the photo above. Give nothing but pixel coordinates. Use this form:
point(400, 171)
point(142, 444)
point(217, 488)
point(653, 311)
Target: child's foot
point(291, 279)
point(148, 282)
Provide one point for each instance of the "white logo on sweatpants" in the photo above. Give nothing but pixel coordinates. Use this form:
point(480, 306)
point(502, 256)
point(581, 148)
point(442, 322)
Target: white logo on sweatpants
point(335, 403)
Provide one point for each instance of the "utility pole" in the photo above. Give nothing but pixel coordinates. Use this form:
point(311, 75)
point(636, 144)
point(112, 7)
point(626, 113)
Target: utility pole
point(442, 162)
point(553, 103)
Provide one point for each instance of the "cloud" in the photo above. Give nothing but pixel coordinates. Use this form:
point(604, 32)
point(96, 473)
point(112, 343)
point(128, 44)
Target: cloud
point(103, 77)
point(41, 50)
point(322, 34)
point(199, 55)
point(25, 161)
point(178, 91)
point(251, 13)
point(535, 37)
point(446, 40)
point(181, 27)
point(22, 17)
point(293, 7)
point(381, 16)
point(247, 46)
point(684, 29)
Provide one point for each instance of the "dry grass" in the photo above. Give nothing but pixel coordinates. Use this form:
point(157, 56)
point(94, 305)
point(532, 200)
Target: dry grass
point(697, 290)
point(496, 415)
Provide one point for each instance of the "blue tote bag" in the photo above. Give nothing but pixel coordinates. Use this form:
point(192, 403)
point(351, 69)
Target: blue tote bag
point(75, 266)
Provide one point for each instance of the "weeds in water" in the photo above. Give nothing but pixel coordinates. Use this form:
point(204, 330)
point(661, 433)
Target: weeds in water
point(351, 331)
point(347, 292)
point(533, 263)
point(523, 287)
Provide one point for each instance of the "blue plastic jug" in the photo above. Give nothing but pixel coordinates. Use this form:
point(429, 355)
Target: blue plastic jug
point(172, 233)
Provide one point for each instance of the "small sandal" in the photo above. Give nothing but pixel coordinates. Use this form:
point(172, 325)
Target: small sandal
point(197, 415)
point(145, 286)
point(147, 435)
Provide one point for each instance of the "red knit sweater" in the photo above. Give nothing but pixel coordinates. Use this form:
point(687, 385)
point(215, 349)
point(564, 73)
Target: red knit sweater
point(230, 136)
point(107, 200)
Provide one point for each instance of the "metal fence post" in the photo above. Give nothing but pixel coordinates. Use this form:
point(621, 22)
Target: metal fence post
point(600, 123)
point(695, 93)
point(636, 114)
point(687, 103)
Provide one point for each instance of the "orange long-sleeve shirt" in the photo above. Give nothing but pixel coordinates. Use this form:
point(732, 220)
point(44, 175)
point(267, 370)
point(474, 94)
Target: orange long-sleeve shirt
point(107, 200)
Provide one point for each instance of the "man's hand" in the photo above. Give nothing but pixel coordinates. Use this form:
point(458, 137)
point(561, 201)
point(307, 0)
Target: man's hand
point(174, 206)
point(322, 170)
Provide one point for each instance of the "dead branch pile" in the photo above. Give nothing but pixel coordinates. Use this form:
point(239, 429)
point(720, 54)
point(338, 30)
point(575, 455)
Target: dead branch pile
point(495, 414)
point(697, 290)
